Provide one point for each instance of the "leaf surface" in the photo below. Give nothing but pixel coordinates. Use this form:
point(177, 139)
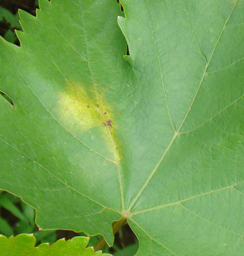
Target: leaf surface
point(156, 136)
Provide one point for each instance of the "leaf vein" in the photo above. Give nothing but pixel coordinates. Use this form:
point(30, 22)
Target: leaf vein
point(206, 67)
point(185, 200)
point(102, 113)
point(232, 64)
point(211, 118)
point(151, 238)
point(228, 230)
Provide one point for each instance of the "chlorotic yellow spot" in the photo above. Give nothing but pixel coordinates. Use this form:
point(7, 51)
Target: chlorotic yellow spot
point(77, 109)
point(82, 110)
point(84, 113)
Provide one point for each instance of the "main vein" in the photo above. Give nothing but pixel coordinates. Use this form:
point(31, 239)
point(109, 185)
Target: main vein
point(117, 162)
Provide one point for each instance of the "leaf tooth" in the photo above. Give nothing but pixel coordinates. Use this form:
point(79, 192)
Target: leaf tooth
point(26, 22)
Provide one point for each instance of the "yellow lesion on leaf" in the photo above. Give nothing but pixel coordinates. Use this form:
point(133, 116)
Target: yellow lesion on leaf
point(83, 109)
point(85, 114)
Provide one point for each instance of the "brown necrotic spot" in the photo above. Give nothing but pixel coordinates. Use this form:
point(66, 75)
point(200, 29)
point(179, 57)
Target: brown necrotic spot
point(108, 123)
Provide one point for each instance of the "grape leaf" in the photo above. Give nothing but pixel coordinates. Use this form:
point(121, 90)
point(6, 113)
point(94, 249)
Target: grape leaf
point(23, 244)
point(154, 137)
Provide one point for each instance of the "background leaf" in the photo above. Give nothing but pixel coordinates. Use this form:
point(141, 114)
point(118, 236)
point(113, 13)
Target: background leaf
point(24, 245)
point(10, 22)
point(155, 137)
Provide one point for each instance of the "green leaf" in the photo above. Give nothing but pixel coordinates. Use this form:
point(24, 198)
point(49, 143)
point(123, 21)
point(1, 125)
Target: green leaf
point(13, 21)
point(28, 212)
point(127, 251)
point(5, 228)
point(10, 36)
point(7, 203)
point(9, 17)
point(46, 236)
point(25, 245)
point(155, 137)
